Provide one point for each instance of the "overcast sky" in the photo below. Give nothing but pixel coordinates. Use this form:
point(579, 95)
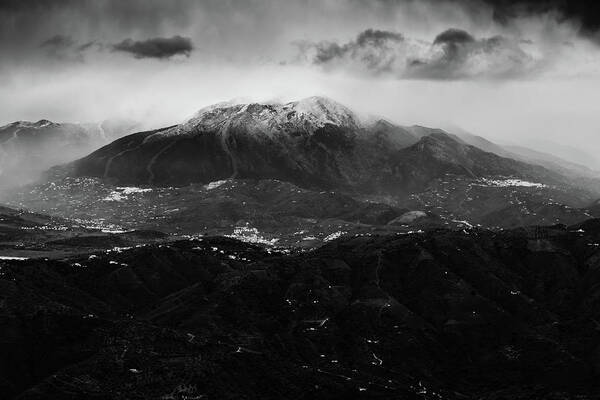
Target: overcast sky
point(516, 73)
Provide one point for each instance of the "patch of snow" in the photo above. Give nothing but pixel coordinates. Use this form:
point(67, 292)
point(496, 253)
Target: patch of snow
point(461, 222)
point(377, 361)
point(333, 236)
point(116, 231)
point(118, 249)
point(127, 190)
point(511, 182)
point(215, 184)
point(123, 193)
point(251, 235)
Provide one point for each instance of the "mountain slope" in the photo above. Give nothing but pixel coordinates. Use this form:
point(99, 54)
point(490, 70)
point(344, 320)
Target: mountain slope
point(438, 155)
point(528, 155)
point(385, 132)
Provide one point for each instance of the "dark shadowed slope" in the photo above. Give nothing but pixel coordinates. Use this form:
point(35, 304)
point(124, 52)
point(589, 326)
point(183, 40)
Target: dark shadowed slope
point(439, 154)
point(438, 315)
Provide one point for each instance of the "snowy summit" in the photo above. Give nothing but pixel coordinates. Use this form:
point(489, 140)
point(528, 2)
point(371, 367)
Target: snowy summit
point(306, 115)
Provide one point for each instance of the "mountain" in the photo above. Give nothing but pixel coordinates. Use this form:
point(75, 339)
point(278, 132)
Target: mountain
point(479, 142)
point(314, 142)
point(595, 208)
point(453, 315)
point(300, 172)
point(567, 151)
point(528, 155)
point(386, 132)
point(28, 148)
point(439, 154)
point(552, 162)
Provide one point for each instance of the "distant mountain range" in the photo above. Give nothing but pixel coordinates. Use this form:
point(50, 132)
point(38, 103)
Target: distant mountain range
point(527, 154)
point(28, 148)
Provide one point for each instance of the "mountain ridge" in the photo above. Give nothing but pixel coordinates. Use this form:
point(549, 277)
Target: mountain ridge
point(314, 142)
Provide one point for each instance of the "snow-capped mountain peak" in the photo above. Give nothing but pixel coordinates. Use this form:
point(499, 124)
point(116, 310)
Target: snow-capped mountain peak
point(306, 115)
point(322, 110)
point(42, 123)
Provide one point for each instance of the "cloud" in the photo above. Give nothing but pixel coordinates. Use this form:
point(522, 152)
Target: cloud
point(377, 37)
point(58, 41)
point(453, 54)
point(88, 45)
point(453, 37)
point(63, 47)
point(156, 47)
point(372, 48)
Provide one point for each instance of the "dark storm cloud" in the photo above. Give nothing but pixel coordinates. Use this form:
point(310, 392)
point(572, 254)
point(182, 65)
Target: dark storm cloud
point(24, 24)
point(19, 5)
point(259, 23)
point(453, 37)
point(377, 38)
point(453, 54)
point(461, 56)
point(156, 47)
point(372, 47)
point(64, 47)
point(584, 12)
